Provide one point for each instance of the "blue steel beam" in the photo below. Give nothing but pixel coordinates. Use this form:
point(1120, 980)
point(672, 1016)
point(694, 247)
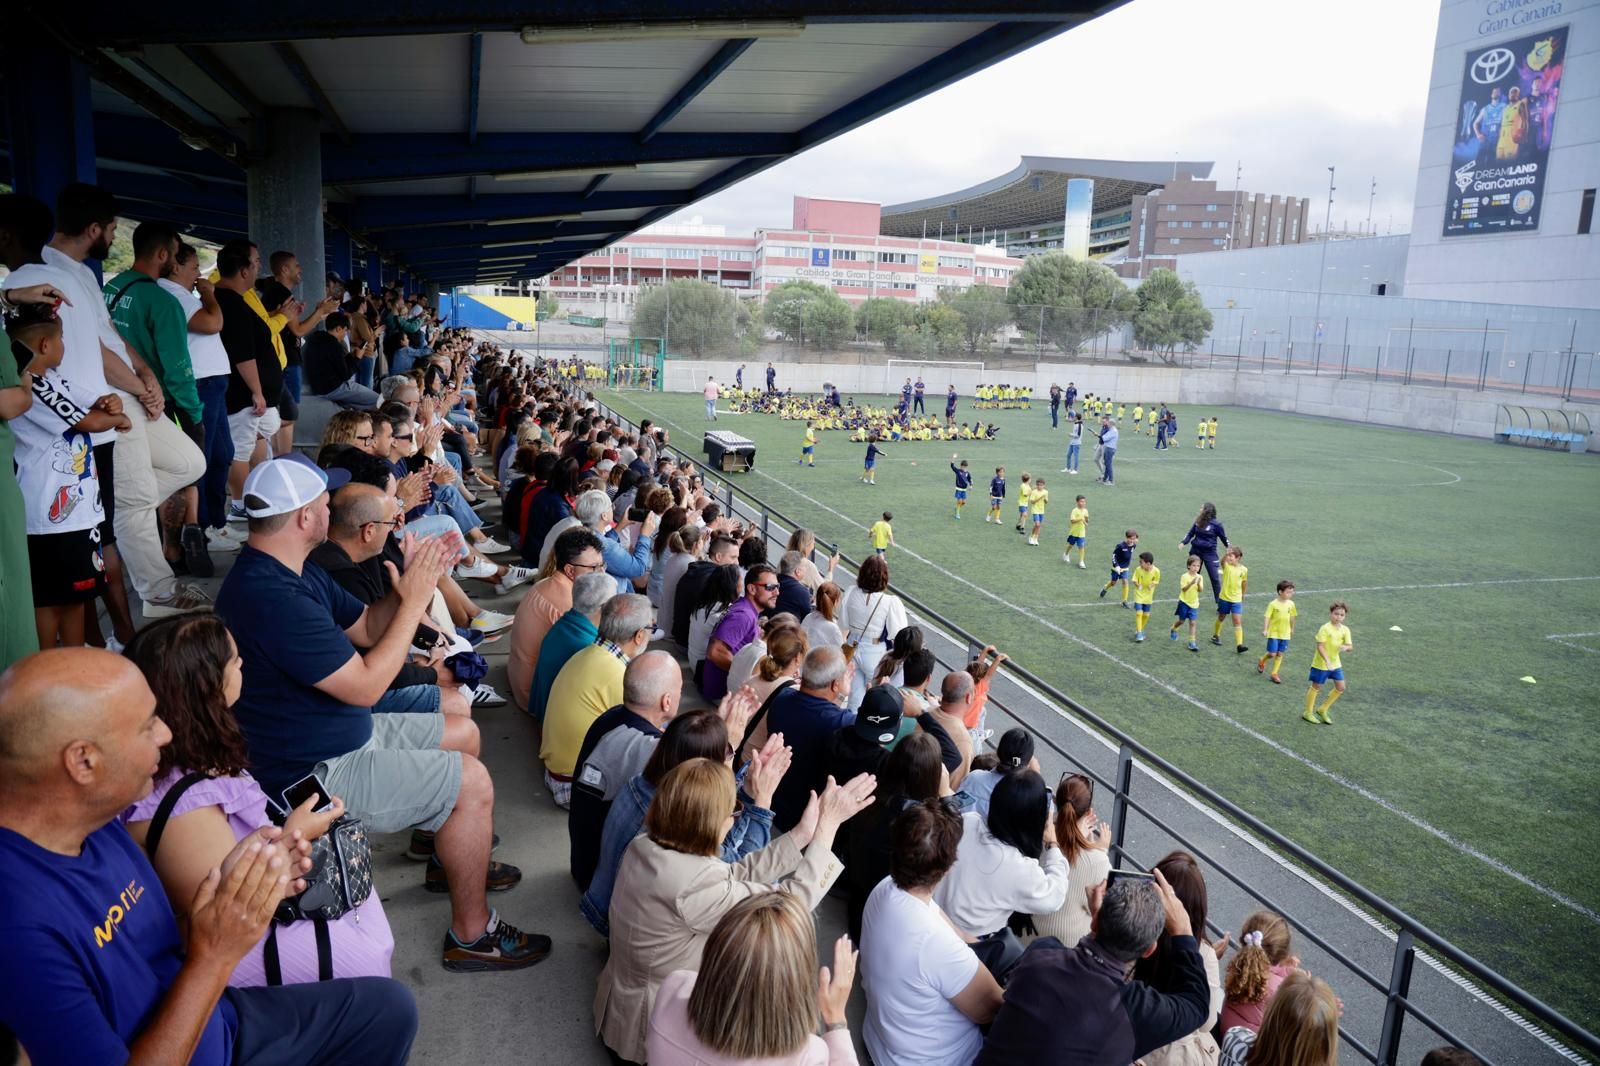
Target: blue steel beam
point(593, 186)
point(372, 157)
point(208, 197)
point(402, 241)
point(720, 61)
point(401, 212)
point(474, 81)
point(222, 75)
point(422, 257)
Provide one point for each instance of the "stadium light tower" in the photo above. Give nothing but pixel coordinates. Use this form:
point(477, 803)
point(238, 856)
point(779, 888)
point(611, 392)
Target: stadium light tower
point(1322, 260)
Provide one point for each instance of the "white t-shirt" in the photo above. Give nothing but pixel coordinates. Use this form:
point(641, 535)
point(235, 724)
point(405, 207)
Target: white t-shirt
point(206, 352)
point(912, 965)
point(873, 617)
point(744, 663)
point(55, 464)
point(90, 285)
point(701, 624)
point(819, 631)
point(80, 337)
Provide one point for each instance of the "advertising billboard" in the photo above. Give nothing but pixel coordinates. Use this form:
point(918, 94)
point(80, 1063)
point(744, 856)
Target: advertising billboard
point(1506, 118)
point(1079, 208)
point(928, 264)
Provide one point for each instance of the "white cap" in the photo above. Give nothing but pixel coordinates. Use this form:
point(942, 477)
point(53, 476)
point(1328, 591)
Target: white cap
point(287, 483)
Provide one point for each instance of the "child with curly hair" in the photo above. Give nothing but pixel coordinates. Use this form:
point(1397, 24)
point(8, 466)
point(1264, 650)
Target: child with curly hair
point(1257, 969)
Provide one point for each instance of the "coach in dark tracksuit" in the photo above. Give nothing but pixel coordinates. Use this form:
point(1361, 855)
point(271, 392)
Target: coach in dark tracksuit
point(1077, 1005)
point(1202, 540)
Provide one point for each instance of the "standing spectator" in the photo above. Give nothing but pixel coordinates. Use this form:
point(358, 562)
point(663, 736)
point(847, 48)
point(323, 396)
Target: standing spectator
point(772, 379)
point(1202, 540)
point(711, 393)
point(577, 552)
point(754, 999)
point(1055, 405)
point(927, 993)
point(807, 717)
point(286, 272)
point(1084, 840)
point(1301, 1028)
point(1108, 450)
point(209, 359)
point(870, 616)
point(330, 367)
point(820, 626)
point(793, 595)
point(150, 993)
point(572, 632)
point(740, 626)
point(885, 719)
point(1189, 884)
point(254, 378)
point(1077, 1004)
point(590, 684)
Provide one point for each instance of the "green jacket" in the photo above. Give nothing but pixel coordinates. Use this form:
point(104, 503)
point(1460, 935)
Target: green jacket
point(152, 322)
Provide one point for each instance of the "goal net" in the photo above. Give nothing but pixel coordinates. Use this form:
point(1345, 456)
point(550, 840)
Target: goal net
point(936, 374)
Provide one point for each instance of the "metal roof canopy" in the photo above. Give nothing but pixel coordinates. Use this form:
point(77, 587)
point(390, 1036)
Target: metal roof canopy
point(445, 130)
point(1034, 193)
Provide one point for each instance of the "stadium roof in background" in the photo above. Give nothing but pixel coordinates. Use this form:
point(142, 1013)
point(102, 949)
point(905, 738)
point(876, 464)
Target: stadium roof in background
point(1034, 193)
point(483, 140)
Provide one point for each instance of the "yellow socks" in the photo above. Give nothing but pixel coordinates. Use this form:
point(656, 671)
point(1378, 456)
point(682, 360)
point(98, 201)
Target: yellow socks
point(1311, 703)
point(1124, 592)
point(1277, 661)
point(1333, 697)
point(1216, 630)
point(1238, 636)
point(1138, 621)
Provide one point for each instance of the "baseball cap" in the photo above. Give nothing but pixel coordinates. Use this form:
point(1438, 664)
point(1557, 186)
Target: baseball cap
point(878, 720)
point(288, 483)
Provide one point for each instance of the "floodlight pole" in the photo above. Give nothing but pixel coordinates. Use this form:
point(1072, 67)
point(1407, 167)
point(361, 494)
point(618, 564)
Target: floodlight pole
point(1322, 264)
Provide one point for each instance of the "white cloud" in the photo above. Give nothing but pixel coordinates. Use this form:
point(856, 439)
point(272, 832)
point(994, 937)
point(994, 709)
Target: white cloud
point(1285, 89)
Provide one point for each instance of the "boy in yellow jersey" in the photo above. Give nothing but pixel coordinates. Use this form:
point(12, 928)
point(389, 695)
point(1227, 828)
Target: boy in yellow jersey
point(1278, 628)
point(1122, 410)
point(1189, 601)
point(1230, 598)
point(882, 534)
point(1077, 532)
point(1200, 440)
point(1333, 639)
point(1037, 501)
point(1152, 416)
point(1024, 494)
point(1211, 432)
point(1145, 579)
point(808, 447)
point(1138, 416)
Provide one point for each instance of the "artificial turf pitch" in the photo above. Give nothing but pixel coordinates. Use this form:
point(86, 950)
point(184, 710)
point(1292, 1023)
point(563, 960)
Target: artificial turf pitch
point(1447, 784)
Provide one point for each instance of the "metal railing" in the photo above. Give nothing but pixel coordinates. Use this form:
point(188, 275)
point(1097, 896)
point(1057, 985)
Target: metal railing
point(1411, 935)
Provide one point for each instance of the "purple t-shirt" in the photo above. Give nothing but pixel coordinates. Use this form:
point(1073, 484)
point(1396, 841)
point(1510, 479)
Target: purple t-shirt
point(738, 627)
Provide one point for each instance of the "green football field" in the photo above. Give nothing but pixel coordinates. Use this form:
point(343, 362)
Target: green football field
point(1448, 783)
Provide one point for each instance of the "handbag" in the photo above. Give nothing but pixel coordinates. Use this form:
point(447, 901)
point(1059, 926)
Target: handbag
point(852, 642)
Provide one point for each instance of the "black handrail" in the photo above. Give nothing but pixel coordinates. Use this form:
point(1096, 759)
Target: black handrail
point(1410, 931)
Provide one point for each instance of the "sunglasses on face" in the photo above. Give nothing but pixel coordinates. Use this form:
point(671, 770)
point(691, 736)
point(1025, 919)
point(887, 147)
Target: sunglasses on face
point(770, 587)
point(403, 436)
point(367, 439)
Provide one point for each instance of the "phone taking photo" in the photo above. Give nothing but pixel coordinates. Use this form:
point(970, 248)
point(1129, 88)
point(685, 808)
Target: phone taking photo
point(305, 788)
point(1128, 875)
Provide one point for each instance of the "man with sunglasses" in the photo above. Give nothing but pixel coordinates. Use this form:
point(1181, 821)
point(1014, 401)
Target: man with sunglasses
point(738, 627)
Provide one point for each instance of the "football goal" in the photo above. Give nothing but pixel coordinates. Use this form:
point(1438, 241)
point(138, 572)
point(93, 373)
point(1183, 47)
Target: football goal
point(936, 374)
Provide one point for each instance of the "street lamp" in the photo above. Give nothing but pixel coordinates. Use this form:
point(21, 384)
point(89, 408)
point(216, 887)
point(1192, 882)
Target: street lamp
point(1327, 224)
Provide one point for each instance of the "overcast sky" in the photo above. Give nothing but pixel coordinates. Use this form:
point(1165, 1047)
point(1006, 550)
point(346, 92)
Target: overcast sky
point(1283, 91)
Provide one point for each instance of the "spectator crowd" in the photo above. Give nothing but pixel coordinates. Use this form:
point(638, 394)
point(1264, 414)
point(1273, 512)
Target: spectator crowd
point(733, 732)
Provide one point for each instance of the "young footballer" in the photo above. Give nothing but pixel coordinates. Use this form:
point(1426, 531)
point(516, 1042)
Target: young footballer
point(1333, 639)
point(1189, 601)
point(1138, 416)
point(1024, 495)
point(1200, 440)
point(1037, 500)
point(1154, 414)
point(1211, 433)
point(1230, 598)
point(808, 448)
point(1278, 628)
point(1077, 532)
point(1121, 560)
point(882, 534)
point(874, 449)
point(963, 483)
point(1145, 579)
point(997, 495)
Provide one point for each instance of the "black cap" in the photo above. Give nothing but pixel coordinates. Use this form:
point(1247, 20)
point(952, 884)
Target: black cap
point(878, 720)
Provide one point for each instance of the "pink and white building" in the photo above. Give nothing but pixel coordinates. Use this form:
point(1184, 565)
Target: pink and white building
point(830, 242)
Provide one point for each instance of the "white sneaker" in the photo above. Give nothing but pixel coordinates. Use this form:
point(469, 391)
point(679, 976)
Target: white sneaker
point(490, 546)
point(1066, 470)
point(182, 599)
point(1081, 566)
point(113, 645)
point(483, 568)
point(489, 622)
point(484, 696)
point(514, 576)
point(226, 539)
point(236, 513)
point(1064, 558)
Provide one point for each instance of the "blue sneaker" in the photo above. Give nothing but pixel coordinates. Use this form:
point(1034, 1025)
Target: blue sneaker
point(1138, 638)
point(1173, 633)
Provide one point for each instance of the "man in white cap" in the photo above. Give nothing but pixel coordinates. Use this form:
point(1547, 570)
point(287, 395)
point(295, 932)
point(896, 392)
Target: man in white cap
point(306, 703)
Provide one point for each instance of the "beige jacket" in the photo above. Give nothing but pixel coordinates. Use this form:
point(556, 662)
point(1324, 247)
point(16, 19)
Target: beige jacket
point(663, 908)
point(1198, 1048)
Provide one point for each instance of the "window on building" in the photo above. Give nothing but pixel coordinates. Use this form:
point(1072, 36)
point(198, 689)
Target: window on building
point(683, 253)
point(1277, 232)
point(1211, 207)
point(1220, 242)
point(955, 261)
point(1294, 230)
point(739, 256)
point(1175, 240)
point(850, 255)
point(791, 251)
point(894, 257)
point(1586, 211)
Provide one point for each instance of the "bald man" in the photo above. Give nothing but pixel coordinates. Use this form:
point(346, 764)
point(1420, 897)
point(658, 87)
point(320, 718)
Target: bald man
point(94, 969)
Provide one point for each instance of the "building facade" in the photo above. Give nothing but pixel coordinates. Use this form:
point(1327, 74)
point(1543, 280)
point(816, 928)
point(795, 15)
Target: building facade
point(1191, 215)
point(830, 242)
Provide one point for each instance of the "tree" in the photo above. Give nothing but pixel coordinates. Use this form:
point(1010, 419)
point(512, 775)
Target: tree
point(984, 312)
point(1170, 312)
point(695, 317)
point(1073, 300)
point(548, 305)
point(808, 313)
point(881, 318)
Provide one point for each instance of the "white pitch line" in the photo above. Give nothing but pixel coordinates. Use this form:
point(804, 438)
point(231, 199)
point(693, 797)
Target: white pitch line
point(1375, 588)
point(1568, 639)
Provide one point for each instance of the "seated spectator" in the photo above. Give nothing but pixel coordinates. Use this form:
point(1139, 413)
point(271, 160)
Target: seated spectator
point(622, 562)
point(683, 549)
point(891, 667)
point(913, 772)
point(589, 685)
point(918, 675)
point(192, 666)
point(1262, 963)
point(677, 886)
point(544, 507)
point(79, 740)
point(720, 551)
point(1015, 752)
point(697, 735)
point(1189, 884)
point(793, 595)
point(1078, 1004)
point(870, 617)
point(807, 717)
point(306, 705)
point(739, 626)
point(755, 999)
point(820, 625)
point(883, 721)
point(927, 993)
point(804, 541)
point(777, 670)
point(573, 631)
point(1300, 1028)
point(723, 589)
point(673, 519)
point(330, 369)
point(577, 552)
point(1007, 862)
point(1084, 841)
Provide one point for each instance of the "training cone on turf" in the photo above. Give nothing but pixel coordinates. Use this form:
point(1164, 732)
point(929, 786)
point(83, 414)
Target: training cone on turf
point(1528, 679)
point(1396, 629)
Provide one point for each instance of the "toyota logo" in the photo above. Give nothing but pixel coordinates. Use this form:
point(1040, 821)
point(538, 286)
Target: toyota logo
point(1492, 65)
